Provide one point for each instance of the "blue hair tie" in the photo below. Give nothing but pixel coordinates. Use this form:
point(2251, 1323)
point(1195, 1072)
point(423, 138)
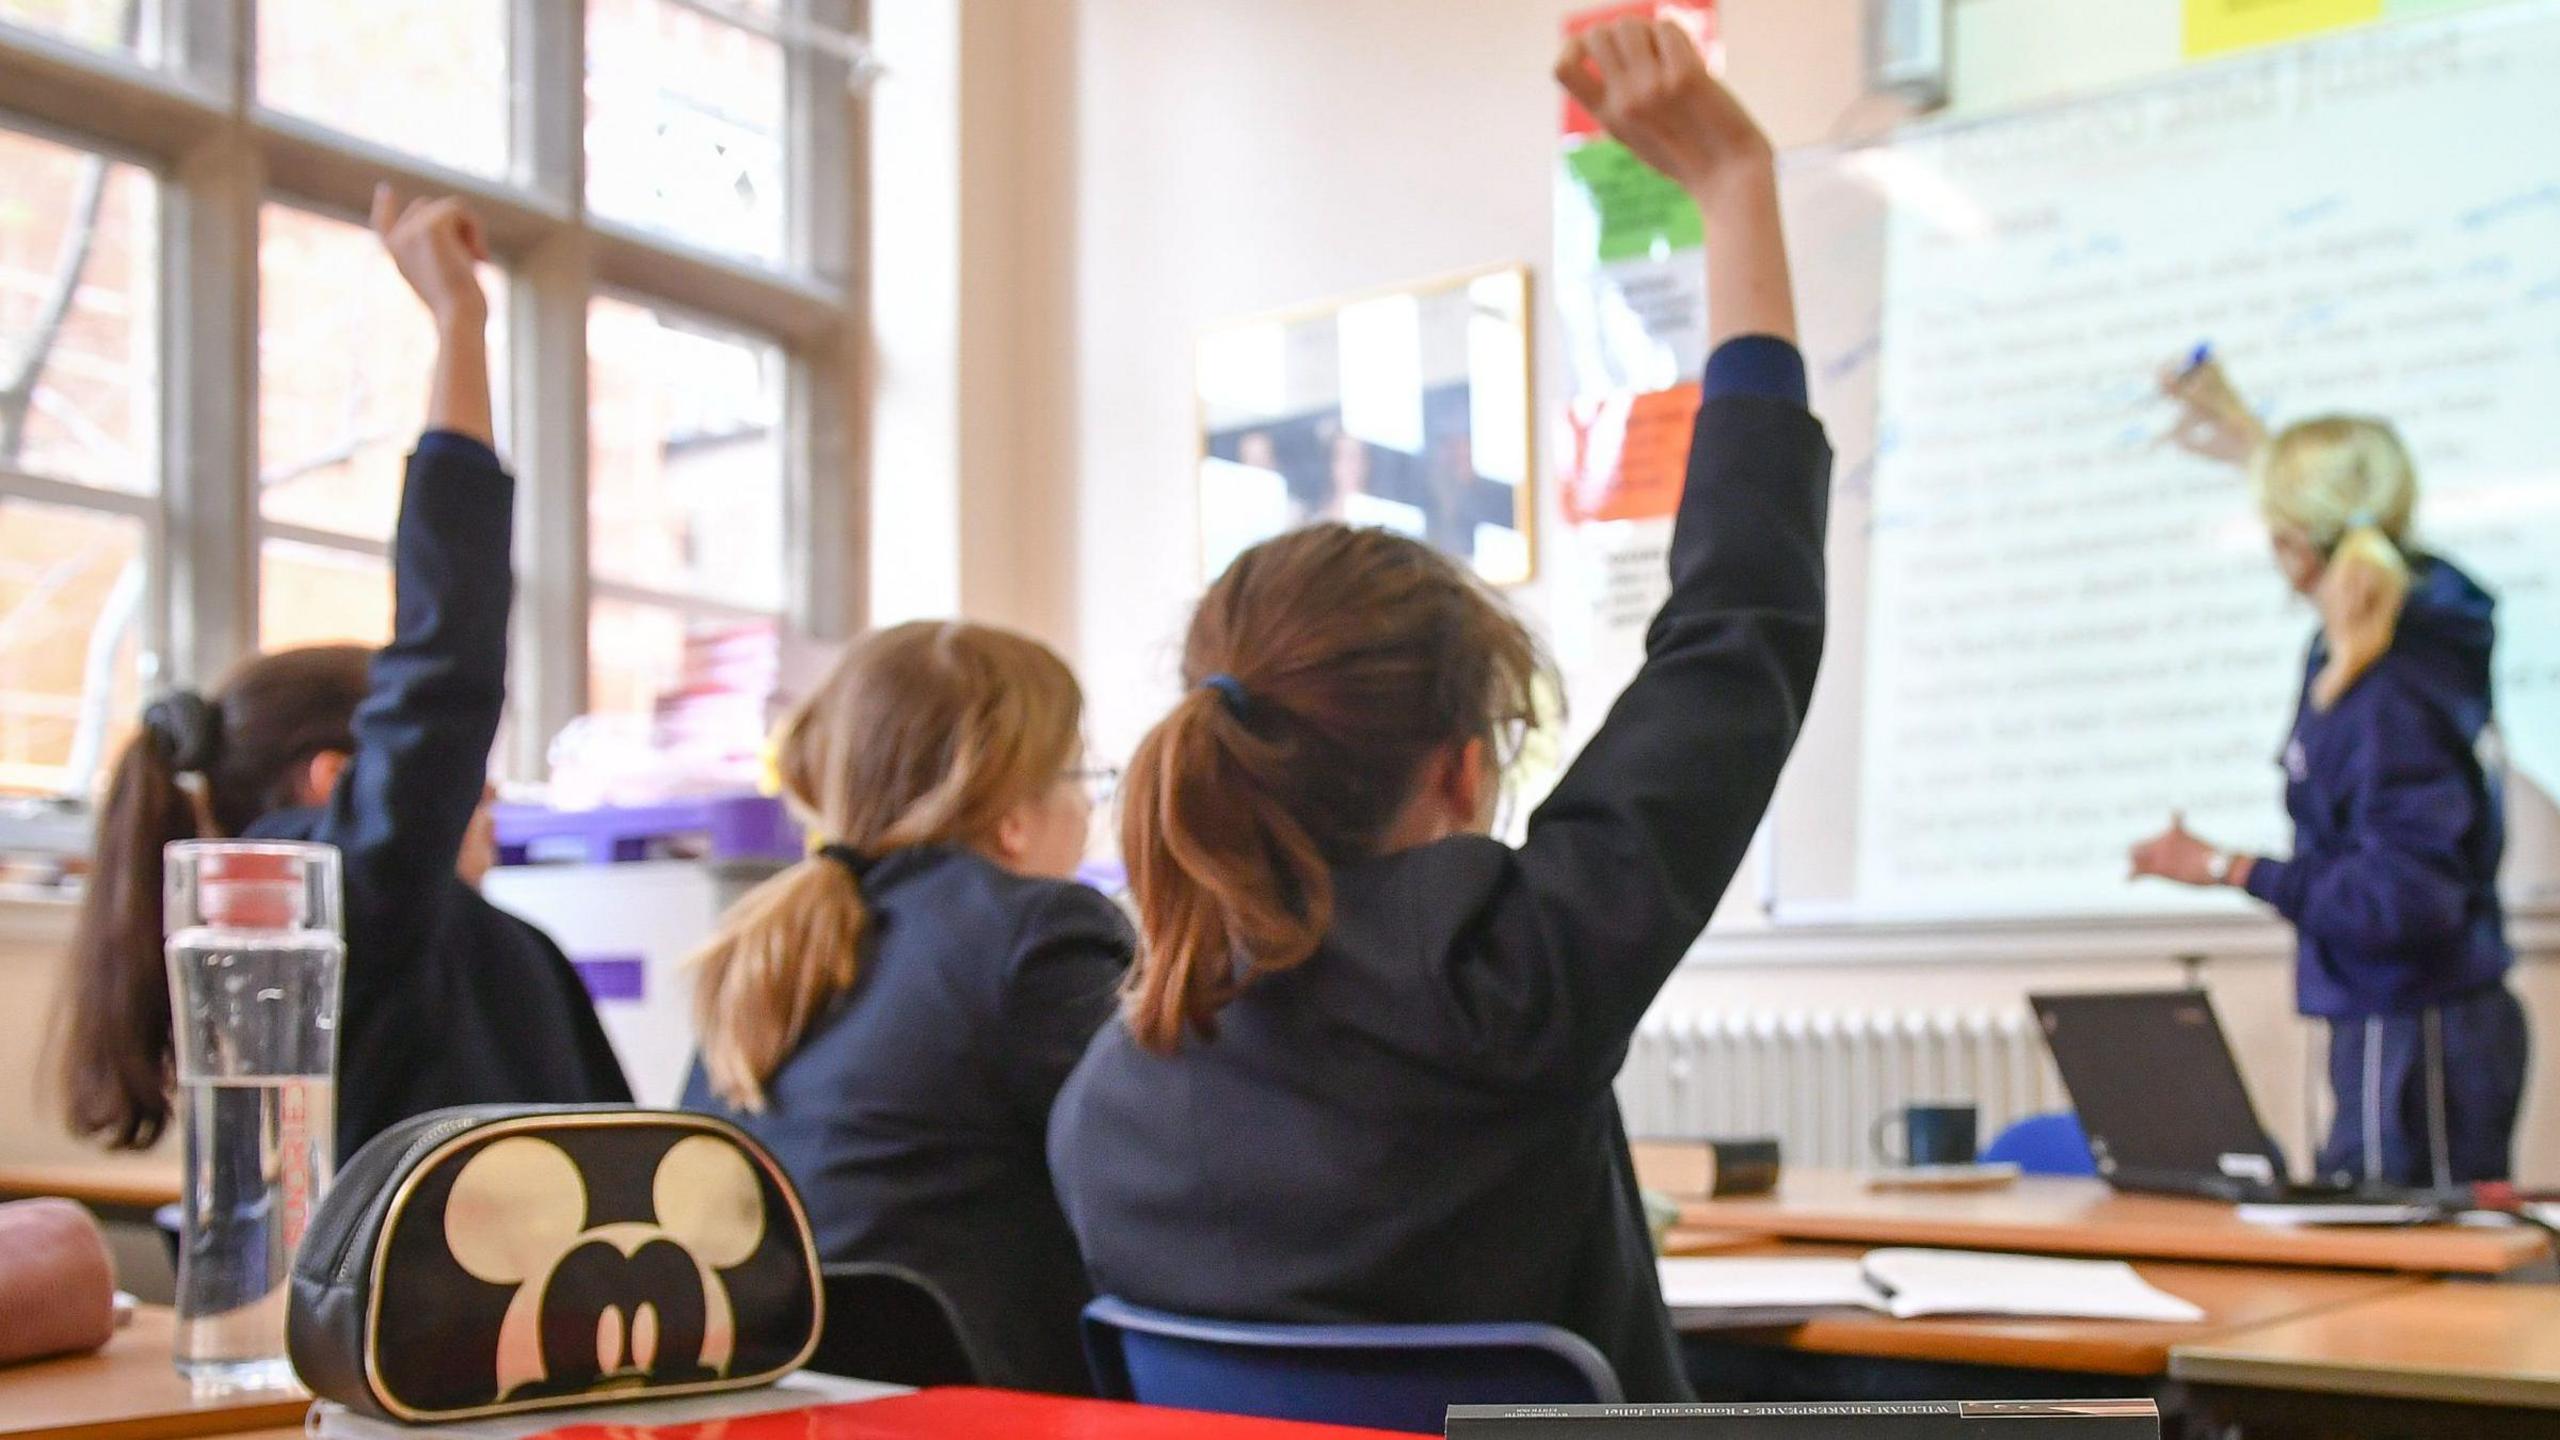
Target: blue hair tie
point(1231, 693)
point(2363, 520)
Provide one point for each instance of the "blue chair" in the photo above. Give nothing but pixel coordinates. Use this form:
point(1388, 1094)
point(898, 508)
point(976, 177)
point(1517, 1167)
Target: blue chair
point(2052, 1144)
point(1388, 1377)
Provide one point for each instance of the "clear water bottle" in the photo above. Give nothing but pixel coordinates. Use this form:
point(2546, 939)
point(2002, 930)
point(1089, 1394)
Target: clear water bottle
point(254, 958)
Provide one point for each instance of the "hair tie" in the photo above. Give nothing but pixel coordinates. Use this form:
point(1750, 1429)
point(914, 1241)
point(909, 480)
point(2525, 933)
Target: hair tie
point(186, 729)
point(1231, 693)
point(2363, 520)
point(855, 863)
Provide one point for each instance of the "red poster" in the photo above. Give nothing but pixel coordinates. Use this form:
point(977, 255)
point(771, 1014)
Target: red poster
point(1630, 455)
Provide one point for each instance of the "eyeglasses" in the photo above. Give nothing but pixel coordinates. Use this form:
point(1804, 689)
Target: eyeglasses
point(1100, 782)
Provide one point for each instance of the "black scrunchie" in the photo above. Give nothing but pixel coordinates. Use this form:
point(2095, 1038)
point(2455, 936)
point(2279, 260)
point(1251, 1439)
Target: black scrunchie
point(856, 864)
point(186, 729)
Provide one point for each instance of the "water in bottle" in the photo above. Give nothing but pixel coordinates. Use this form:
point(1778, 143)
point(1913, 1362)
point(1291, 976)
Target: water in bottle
point(254, 960)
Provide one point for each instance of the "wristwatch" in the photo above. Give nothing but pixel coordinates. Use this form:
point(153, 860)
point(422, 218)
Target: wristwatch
point(2220, 866)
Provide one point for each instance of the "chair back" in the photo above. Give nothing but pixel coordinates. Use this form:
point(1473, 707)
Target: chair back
point(888, 1323)
point(1387, 1377)
point(2051, 1144)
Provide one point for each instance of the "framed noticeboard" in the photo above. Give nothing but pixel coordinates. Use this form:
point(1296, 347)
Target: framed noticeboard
point(1407, 408)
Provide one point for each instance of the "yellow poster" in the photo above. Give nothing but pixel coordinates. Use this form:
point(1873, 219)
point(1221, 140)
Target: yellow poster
point(2216, 27)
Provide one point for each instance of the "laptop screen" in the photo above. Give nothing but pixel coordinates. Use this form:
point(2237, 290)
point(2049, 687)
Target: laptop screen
point(2156, 1088)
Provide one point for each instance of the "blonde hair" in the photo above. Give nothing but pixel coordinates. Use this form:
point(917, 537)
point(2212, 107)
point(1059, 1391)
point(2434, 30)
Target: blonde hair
point(925, 733)
point(2344, 484)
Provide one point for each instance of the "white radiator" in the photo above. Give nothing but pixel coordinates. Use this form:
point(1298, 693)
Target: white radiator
point(1818, 1081)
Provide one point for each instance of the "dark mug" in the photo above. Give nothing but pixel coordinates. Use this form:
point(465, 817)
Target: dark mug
point(1947, 1134)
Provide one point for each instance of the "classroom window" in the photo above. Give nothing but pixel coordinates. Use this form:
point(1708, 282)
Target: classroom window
point(685, 457)
point(212, 234)
point(79, 392)
point(111, 25)
point(426, 76)
point(685, 121)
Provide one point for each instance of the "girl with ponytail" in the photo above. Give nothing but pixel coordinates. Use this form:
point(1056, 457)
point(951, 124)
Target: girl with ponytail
point(1365, 1068)
point(894, 1015)
point(2392, 888)
point(448, 1000)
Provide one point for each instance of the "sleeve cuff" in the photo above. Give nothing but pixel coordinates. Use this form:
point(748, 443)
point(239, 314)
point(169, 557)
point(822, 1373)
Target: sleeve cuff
point(456, 446)
point(2266, 879)
point(1761, 365)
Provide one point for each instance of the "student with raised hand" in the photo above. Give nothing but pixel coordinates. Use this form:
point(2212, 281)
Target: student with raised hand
point(1365, 1068)
point(893, 1016)
point(384, 754)
point(2392, 888)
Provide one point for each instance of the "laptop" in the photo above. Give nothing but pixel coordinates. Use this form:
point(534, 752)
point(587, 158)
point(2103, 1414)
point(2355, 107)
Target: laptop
point(2151, 1075)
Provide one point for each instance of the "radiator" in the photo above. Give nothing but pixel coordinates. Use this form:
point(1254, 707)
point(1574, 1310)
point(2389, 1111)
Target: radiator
point(1818, 1081)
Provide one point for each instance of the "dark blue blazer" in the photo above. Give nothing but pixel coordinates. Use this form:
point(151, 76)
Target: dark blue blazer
point(1416, 1125)
point(911, 1116)
point(448, 1000)
point(2393, 884)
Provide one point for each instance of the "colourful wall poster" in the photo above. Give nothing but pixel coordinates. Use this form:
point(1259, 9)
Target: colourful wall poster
point(1630, 455)
point(2215, 27)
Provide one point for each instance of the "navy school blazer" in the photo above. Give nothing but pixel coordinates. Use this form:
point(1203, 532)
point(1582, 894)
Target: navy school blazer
point(447, 1000)
point(911, 1116)
point(1416, 1125)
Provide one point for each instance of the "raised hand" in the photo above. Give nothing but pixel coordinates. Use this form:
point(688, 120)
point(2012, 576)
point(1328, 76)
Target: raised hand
point(437, 245)
point(2213, 421)
point(1646, 81)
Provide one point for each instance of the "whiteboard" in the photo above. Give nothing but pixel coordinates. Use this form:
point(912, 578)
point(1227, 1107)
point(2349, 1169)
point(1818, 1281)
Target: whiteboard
point(2048, 628)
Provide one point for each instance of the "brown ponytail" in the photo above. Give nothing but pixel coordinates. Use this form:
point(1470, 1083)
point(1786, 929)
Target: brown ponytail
point(198, 767)
point(924, 734)
point(1323, 669)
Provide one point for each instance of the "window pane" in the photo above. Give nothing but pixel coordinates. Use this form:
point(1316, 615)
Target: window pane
point(684, 125)
point(425, 76)
point(343, 353)
point(684, 456)
point(704, 686)
point(100, 24)
point(72, 614)
point(312, 595)
point(79, 370)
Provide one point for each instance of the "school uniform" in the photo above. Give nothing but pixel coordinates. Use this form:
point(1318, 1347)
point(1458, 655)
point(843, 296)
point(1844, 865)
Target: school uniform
point(1416, 1124)
point(2393, 892)
point(447, 999)
point(911, 1115)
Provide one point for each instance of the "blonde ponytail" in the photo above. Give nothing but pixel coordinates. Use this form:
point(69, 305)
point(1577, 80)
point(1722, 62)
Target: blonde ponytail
point(2360, 595)
point(781, 955)
point(928, 733)
point(2344, 485)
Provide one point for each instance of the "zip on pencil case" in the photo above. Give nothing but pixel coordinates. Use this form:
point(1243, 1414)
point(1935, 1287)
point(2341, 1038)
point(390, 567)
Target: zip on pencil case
point(496, 1259)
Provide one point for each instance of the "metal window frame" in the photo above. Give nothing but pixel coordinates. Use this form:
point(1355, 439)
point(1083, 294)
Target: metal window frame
point(219, 155)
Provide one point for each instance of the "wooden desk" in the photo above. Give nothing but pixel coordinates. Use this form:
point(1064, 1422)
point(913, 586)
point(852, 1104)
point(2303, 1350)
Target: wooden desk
point(2234, 1298)
point(105, 1186)
point(2084, 1217)
point(128, 1391)
point(2468, 1343)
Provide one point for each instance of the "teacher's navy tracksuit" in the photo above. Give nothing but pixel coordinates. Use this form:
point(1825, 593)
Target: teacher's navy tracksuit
point(2392, 889)
point(447, 1000)
point(1416, 1124)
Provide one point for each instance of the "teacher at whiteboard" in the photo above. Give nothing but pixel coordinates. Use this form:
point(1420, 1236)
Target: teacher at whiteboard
point(2392, 886)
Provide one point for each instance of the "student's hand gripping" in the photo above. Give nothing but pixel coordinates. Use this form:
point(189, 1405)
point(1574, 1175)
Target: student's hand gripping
point(437, 246)
point(1646, 82)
